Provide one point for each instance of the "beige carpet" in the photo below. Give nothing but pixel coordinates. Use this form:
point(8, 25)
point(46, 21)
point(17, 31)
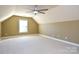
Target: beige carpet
point(34, 44)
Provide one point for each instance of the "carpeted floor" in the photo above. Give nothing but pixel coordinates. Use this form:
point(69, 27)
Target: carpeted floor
point(35, 44)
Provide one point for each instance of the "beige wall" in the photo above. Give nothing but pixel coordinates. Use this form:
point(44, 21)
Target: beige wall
point(0, 29)
point(62, 30)
point(11, 26)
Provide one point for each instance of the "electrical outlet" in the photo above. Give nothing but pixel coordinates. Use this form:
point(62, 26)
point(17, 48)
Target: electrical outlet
point(66, 37)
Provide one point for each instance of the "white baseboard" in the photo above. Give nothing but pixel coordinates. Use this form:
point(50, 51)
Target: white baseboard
point(14, 36)
point(71, 43)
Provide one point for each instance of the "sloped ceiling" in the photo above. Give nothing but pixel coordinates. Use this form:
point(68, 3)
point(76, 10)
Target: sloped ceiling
point(6, 11)
point(54, 14)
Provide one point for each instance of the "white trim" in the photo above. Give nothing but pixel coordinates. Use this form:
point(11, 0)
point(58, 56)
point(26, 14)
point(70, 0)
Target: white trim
point(71, 43)
point(14, 36)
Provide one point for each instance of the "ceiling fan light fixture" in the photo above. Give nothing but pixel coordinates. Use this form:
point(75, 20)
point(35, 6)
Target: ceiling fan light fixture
point(35, 12)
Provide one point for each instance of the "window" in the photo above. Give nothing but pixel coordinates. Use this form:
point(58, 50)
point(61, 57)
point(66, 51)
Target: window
point(23, 26)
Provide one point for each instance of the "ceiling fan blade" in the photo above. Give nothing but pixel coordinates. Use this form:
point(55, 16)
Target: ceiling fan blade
point(43, 10)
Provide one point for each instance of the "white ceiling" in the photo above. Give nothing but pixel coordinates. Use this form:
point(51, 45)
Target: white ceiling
point(54, 13)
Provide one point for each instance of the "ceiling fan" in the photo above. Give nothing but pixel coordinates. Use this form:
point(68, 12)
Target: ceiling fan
point(36, 10)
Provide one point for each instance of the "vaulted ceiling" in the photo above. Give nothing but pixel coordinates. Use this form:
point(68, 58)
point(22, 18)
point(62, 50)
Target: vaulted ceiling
point(55, 13)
